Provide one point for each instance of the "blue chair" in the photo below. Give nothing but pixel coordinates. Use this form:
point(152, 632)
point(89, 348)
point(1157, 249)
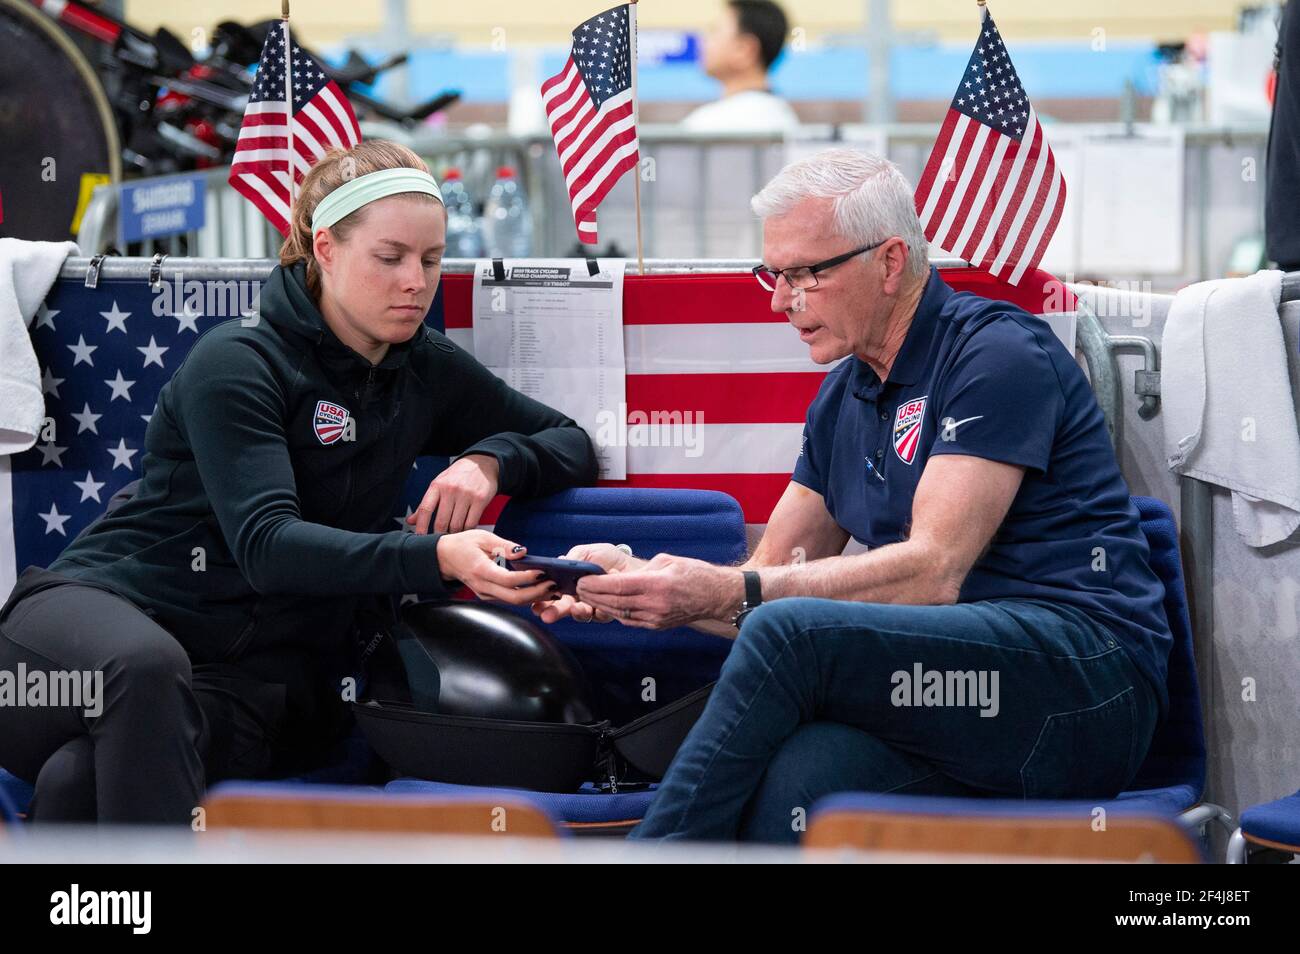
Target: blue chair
point(703, 524)
point(279, 807)
point(588, 811)
point(15, 795)
point(1274, 825)
point(993, 829)
point(1171, 779)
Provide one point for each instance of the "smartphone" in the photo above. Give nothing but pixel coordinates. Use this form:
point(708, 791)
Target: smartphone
point(566, 573)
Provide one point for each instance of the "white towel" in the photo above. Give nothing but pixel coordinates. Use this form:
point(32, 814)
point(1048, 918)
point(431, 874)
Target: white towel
point(1230, 416)
point(27, 270)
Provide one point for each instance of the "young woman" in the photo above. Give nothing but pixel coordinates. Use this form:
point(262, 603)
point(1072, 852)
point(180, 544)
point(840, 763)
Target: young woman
point(220, 605)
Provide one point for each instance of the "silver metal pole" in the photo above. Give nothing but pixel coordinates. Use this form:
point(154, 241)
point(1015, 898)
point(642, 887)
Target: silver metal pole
point(702, 205)
point(222, 269)
point(879, 28)
point(1196, 542)
point(397, 35)
point(650, 199)
point(1203, 211)
point(1102, 372)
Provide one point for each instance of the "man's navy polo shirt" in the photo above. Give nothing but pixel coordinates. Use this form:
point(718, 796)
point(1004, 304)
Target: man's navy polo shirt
point(987, 379)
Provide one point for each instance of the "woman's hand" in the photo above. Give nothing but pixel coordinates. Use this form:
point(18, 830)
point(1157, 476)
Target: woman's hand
point(457, 497)
point(468, 557)
point(605, 555)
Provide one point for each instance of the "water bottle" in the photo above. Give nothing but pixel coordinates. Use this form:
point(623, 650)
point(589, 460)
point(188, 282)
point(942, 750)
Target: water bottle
point(507, 223)
point(464, 238)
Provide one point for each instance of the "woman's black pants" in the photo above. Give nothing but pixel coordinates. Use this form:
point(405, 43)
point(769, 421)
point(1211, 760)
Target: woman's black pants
point(159, 730)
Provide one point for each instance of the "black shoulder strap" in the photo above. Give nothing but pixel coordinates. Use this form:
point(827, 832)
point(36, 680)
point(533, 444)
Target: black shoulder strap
point(422, 674)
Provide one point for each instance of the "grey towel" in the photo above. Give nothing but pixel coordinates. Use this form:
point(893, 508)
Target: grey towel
point(1230, 415)
point(27, 270)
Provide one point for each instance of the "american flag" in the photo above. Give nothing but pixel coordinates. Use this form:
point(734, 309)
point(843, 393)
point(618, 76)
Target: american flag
point(322, 119)
point(104, 355)
point(991, 192)
point(591, 109)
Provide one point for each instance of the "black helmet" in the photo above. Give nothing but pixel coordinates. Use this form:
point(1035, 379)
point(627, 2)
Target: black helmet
point(490, 664)
point(496, 700)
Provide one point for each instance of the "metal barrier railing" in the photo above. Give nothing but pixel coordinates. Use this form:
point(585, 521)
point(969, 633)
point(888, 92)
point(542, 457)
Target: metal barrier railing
point(233, 228)
point(166, 268)
point(1092, 341)
point(696, 191)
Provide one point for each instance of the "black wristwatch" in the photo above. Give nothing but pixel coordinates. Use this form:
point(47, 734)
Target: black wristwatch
point(753, 597)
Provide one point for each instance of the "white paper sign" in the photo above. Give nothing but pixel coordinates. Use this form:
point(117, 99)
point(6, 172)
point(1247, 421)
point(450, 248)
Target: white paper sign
point(554, 332)
point(1132, 203)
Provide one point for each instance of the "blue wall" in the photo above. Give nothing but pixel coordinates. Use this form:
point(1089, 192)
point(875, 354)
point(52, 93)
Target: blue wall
point(1048, 70)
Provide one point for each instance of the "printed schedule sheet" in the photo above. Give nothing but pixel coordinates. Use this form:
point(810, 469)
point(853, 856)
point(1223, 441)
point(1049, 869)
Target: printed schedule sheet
point(554, 331)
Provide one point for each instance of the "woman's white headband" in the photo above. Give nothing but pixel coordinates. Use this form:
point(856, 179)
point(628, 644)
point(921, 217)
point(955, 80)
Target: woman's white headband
point(363, 190)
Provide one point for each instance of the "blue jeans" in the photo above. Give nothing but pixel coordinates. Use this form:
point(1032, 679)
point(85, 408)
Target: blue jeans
point(1010, 698)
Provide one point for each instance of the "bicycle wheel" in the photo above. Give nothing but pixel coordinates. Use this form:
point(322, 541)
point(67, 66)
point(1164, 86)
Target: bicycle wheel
point(55, 123)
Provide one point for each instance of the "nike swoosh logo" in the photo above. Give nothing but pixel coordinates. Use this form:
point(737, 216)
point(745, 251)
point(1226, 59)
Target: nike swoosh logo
point(956, 424)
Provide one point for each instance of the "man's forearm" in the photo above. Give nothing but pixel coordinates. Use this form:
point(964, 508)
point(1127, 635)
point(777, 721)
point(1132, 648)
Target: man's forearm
point(908, 572)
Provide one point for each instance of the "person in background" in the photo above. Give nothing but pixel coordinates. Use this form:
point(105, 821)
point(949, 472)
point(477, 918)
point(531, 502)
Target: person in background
point(740, 48)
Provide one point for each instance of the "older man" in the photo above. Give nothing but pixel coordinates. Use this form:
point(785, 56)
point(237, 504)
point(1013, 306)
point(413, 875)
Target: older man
point(1003, 634)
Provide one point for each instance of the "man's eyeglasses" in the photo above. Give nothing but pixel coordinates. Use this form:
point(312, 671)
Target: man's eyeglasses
point(805, 276)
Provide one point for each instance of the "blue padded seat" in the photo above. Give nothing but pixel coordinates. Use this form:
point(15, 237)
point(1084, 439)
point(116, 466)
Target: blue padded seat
point(1172, 776)
point(269, 792)
point(1277, 822)
point(703, 524)
point(996, 811)
point(586, 811)
point(15, 795)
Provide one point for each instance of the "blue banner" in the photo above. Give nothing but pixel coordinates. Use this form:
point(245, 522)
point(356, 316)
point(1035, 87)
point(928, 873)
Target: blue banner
point(160, 207)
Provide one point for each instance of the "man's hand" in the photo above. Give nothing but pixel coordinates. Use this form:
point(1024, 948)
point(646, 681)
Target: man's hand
point(605, 555)
point(468, 557)
point(669, 591)
point(457, 497)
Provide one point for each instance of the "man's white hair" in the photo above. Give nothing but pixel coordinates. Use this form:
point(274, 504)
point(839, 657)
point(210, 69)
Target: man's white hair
point(873, 199)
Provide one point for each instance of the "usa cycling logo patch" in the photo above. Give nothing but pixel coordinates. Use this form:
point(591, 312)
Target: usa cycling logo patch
point(908, 422)
point(330, 421)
